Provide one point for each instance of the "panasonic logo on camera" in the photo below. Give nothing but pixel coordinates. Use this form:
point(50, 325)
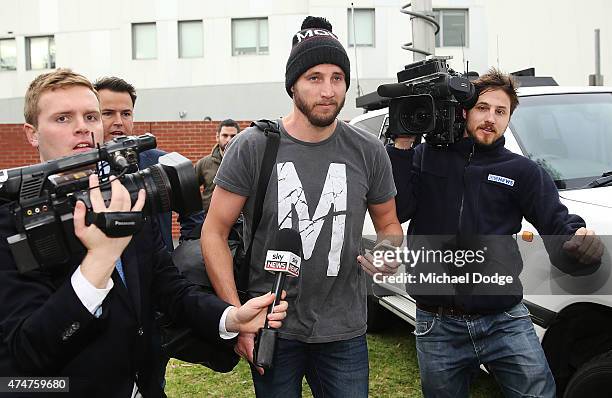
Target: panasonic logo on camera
point(501, 180)
point(119, 223)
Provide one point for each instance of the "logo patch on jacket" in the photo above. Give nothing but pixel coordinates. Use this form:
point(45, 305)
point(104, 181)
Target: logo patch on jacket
point(502, 180)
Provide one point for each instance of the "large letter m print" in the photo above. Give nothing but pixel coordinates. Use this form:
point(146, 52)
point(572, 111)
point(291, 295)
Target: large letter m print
point(333, 198)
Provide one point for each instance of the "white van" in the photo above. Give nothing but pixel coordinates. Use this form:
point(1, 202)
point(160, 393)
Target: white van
point(568, 130)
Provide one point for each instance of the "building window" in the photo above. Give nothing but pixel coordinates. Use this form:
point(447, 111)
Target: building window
point(249, 36)
point(40, 52)
point(8, 54)
point(191, 39)
point(144, 41)
point(364, 27)
point(453, 28)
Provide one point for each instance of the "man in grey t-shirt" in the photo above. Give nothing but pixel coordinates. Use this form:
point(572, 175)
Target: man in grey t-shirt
point(327, 175)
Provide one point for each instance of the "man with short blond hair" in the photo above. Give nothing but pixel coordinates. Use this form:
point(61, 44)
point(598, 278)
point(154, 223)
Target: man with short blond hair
point(90, 319)
point(37, 99)
point(62, 78)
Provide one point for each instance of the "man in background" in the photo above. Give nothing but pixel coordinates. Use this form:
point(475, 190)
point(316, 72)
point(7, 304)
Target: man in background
point(206, 168)
point(117, 100)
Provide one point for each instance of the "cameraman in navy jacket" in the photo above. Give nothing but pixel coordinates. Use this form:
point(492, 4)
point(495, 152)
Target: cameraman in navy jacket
point(476, 187)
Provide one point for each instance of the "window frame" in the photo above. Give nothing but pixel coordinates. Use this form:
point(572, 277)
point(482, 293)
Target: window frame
point(466, 27)
point(350, 27)
point(134, 26)
point(258, 40)
point(28, 52)
point(15, 43)
point(180, 38)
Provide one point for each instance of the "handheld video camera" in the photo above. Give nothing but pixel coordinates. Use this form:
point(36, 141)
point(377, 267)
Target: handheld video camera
point(428, 100)
point(43, 197)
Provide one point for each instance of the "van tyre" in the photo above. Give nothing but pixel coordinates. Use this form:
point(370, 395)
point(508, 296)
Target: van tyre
point(593, 379)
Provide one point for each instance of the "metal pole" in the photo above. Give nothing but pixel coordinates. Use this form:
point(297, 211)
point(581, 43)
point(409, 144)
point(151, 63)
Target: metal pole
point(497, 39)
point(597, 54)
point(422, 31)
point(355, 48)
point(597, 78)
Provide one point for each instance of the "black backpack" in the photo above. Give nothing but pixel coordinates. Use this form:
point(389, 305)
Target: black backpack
point(180, 341)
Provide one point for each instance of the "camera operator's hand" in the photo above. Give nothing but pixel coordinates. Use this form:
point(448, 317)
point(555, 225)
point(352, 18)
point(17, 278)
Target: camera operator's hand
point(102, 251)
point(585, 246)
point(375, 263)
point(404, 142)
point(249, 318)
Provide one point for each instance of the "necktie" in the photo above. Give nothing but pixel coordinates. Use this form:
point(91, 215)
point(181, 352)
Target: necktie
point(119, 266)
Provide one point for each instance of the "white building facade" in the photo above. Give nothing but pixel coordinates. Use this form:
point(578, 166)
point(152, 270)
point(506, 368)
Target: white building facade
point(190, 59)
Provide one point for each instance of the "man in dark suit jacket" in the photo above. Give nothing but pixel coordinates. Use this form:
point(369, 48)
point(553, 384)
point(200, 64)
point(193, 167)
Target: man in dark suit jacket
point(117, 101)
point(91, 319)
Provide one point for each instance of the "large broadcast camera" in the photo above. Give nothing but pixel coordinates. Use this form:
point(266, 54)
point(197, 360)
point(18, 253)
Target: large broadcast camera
point(44, 195)
point(429, 100)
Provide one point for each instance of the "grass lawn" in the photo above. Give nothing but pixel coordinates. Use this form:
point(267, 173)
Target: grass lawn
point(393, 373)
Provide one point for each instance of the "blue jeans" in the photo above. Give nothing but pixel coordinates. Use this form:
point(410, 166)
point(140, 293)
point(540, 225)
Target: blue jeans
point(336, 369)
point(451, 348)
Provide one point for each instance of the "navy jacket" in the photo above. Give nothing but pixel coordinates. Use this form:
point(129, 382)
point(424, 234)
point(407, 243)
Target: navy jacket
point(469, 190)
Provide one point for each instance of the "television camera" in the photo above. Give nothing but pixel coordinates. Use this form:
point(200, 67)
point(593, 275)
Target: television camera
point(42, 197)
point(428, 100)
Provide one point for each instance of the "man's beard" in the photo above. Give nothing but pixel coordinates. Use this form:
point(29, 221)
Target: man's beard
point(317, 120)
point(478, 140)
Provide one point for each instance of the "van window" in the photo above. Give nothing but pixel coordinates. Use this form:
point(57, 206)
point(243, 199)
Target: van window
point(570, 135)
point(371, 125)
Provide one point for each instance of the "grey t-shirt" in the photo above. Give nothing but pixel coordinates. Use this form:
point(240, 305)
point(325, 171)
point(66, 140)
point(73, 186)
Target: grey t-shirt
point(321, 190)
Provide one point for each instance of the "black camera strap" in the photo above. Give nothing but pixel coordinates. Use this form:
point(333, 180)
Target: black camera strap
point(272, 131)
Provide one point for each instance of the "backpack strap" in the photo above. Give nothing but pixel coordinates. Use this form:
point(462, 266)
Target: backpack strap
point(272, 131)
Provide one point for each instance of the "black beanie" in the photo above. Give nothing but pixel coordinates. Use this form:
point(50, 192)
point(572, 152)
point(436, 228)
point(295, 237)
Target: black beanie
point(315, 44)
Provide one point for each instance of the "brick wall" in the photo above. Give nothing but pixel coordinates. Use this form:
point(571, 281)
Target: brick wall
point(14, 148)
point(193, 140)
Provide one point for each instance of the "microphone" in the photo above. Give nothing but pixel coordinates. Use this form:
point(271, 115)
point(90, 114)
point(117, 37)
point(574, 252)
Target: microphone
point(284, 260)
point(393, 90)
